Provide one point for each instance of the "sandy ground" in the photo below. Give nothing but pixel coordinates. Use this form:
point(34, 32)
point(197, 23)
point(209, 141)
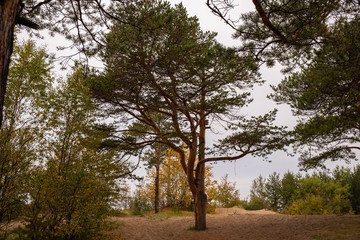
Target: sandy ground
point(234, 223)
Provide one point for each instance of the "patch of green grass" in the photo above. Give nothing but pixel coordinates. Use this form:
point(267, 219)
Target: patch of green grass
point(168, 213)
point(191, 228)
point(120, 212)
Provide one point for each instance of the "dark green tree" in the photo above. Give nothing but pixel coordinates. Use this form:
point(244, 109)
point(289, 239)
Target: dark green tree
point(289, 184)
point(273, 191)
point(355, 189)
point(163, 63)
point(351, 178)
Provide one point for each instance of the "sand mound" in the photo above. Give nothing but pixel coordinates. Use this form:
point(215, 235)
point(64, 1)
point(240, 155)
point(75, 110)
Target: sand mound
point(241, 211)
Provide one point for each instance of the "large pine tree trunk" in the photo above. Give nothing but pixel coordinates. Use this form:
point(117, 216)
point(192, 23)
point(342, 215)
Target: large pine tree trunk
point(200, 209)
point(9, 10)
point(200, 196)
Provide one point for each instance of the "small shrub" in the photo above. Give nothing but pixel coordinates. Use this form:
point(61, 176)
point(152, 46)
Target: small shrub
point(210, 208)
point(139, 204)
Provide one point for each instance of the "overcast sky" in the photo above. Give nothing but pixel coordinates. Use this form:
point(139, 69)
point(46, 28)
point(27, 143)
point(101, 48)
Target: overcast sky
point(244, 170)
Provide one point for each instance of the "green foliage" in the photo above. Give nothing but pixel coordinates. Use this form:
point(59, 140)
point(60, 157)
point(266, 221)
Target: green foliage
point(164, 62)
point(258, 134)
point(258, 187)
point(326, 92)
point(289, 184)
point(65, 183)
point(273, 191)
point(288, 31)
point(21, 132)
point(69, 196)
point(140, 202)
point(71, 206)
point(253, 204)
point(321, 40)
point(352, 178)
point(319, 193)
point(355, 189)
point(54, 173)
point(257, 195)
point(227, 195)
point(315, 196)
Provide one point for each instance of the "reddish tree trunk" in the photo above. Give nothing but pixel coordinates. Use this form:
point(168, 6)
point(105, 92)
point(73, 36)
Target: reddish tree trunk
point(9, 10)
point(200, 196)
point(200, 209)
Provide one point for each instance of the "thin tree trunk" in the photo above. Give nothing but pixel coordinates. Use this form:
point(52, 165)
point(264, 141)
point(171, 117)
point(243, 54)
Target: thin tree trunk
point(157, 178)
point(9, 10)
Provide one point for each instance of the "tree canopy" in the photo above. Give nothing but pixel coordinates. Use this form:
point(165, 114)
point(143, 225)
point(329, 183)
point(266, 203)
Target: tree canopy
point(326, 94)
point(318, 42)
point(288, 31)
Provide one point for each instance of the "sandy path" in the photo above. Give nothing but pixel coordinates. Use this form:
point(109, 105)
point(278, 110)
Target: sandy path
point(230, 224)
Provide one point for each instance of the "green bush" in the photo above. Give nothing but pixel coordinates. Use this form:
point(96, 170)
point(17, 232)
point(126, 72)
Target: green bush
point(140, 204)
point(253, 204)
point(226, 195)
point(320, 196)
point(70, 206)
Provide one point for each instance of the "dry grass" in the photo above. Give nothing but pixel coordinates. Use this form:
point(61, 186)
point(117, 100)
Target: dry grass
point(236, 224)
point(348, 229)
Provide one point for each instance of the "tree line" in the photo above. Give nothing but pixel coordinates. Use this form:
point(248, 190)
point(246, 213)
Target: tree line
point(337, 192)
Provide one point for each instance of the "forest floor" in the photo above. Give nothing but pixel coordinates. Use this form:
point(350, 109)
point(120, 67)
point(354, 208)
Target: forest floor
point(237, 223)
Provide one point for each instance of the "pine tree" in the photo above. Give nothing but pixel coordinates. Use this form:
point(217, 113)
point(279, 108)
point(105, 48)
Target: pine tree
point(165, 64)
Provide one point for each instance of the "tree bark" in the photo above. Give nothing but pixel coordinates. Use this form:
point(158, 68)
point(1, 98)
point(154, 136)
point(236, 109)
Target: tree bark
point(200, 204)
point(157, 177)
point(9, 11)
point(201, 197)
